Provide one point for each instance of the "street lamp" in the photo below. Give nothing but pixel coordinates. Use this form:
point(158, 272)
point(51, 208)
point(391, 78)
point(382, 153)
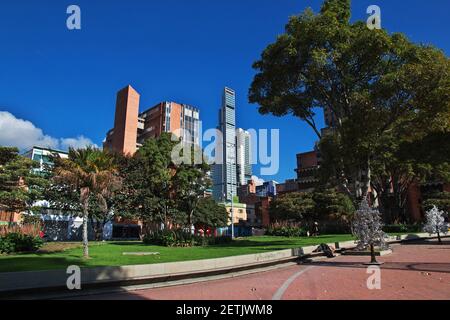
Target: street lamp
point(232, 213)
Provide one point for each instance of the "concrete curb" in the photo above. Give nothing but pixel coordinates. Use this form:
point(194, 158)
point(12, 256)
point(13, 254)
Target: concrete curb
point(12, 283)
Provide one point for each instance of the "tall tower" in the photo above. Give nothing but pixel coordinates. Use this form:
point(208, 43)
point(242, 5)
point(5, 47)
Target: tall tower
point(225, 174)
point(124, 135)
point(244, 154)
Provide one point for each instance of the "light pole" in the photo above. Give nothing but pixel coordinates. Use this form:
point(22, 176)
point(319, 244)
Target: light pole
point(232, 214)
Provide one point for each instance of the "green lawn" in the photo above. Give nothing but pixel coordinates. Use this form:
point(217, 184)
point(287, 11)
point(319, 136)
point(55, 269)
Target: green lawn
point(111, 253)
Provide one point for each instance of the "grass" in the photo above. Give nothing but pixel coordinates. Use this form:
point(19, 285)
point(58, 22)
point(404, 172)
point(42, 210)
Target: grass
point(60, 256)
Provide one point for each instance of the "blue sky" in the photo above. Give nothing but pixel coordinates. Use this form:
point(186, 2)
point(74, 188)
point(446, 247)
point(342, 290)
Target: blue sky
point(64, 82)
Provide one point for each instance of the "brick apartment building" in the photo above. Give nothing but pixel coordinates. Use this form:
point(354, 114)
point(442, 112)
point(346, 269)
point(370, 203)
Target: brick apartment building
point(248, 194)
point(132, 128)
point(308, 164)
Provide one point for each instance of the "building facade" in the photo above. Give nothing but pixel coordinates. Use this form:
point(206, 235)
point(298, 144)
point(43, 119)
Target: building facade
point(43, 156)
point(132, 128)
point(225, 172)
point(244, 156)
point(308, 164)
point(241, 212)
point(260, 201)
point(267, 189)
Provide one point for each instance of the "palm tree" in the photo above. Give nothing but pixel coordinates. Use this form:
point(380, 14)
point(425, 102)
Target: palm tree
point(92, 174)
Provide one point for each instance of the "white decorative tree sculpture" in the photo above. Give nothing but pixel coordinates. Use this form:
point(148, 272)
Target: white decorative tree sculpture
point(367, 227)
point(435, 222)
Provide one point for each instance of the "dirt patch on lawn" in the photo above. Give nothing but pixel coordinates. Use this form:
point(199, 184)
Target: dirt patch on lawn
point(53, 247)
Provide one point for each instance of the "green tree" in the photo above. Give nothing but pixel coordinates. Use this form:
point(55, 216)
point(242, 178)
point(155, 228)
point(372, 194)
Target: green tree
point(20, 184)
point(89, 174)
point(373, 83)
point(441, 200)
point(398, 162)
point(325, 205)
point(191, 181)
point(293, 207)
point(148, 189)
point(209, 214)
point(330, 204)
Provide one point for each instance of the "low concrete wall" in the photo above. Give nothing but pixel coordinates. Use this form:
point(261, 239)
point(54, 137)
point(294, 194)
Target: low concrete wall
point(32, 280)
point(15, 281)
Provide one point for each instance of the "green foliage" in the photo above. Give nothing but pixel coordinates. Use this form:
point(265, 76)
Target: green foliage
point(441, 200)
point(18, 242)
point(161, 238)
point(209, 214)
point(288, 231)
point(330, 204)
point(20, 186)
point(293, 207)
point(338, 9)
point(85, 180)
point(157, 190)
point(307, 207)
point(190, 183)
point(148, 186)
point(402, 228)
point(390, 99)
point(182, 238)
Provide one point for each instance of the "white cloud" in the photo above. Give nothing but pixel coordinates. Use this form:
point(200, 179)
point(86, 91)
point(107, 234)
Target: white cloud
point(77, 143)
point(258, 181)
point(24, 135)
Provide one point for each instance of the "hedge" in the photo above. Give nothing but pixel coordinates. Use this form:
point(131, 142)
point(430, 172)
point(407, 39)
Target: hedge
point(17, 242)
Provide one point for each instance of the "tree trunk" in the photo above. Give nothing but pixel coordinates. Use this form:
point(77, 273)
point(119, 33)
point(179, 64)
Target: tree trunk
point(85, 233)
point(439, 237)
point(373, 258)
point(368, 182)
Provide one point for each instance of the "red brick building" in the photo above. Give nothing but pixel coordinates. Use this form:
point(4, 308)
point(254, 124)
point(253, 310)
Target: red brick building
point(247, 195)
point(308, 164)
point(415, 197)
point(132, 129)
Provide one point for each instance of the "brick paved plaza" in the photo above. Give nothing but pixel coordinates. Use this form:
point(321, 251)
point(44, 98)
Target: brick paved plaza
point(419, 270)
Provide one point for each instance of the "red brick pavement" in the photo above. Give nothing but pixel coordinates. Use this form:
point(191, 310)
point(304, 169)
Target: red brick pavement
point(413, 271)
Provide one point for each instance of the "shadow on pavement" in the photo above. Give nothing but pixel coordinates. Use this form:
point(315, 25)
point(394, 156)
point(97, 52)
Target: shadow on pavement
point(427, 242)
point(404, 266)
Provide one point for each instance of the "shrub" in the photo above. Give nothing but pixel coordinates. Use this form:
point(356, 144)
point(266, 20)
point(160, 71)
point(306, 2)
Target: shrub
point(285, 230)
point(334, 227)
point(18, 242)
point(160, 238)
point(182, 238)
point(402, 228)
point(211, 241)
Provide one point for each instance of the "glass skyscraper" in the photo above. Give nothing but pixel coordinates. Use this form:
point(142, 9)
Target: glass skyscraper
point(225, 173)
point(244, 153)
